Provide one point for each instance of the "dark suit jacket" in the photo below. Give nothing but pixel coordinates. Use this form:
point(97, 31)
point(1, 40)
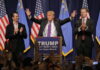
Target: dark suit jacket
point(16, 42)
point(88, 33)
point(57, 23)
point(90, 29)
point(84, 47)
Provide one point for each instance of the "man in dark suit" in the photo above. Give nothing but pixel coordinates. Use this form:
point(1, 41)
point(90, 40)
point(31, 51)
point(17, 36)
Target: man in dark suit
point(84, 34)
point(49, 26)
point(15, 32)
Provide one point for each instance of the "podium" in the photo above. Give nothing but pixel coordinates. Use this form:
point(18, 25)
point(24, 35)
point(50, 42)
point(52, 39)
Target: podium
point(46, 47)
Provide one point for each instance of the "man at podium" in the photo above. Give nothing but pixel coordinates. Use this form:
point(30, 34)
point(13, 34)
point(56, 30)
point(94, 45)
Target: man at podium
point(50, 26)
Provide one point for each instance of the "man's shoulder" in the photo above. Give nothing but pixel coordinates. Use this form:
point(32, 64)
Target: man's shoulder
point(56, 19)
point(9, 25)
point(44, 19)
point(21, 24)
point(90, 20)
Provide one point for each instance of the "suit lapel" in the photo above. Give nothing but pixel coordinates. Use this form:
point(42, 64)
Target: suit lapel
point(87, 21)
point(43, 25)
point(56, 24)
point(19, 26)
point(12, 25)
point(80, 21)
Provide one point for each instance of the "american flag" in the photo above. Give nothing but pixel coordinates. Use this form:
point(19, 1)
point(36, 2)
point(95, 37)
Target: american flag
point(3, 23)
point(85, 5)
point(38, 15)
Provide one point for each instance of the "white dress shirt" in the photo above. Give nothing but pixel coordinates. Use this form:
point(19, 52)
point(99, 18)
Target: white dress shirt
point(84, 20)
point(15, 25)
point(53, 30)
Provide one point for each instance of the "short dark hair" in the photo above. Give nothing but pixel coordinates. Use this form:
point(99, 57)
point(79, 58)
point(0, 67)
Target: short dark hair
point(12, 15)
point(85, 9)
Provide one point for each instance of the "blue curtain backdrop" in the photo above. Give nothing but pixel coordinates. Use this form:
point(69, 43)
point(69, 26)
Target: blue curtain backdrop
point(94, 7)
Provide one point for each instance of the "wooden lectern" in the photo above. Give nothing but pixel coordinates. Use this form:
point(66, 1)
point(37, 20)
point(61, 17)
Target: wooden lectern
point(48, 47)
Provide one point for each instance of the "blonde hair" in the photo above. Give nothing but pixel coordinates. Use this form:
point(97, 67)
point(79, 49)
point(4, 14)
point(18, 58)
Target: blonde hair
point(51, 12)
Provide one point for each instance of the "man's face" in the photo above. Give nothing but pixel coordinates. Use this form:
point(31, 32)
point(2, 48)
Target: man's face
point(83, 13)
point(15, 17)
point(50, 16)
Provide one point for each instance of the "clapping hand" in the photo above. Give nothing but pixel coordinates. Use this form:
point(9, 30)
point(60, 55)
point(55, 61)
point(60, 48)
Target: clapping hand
point(83, 27)
point(16, 31)
point(21, 29)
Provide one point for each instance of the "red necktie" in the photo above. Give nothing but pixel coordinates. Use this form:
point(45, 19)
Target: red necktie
point(83, 36)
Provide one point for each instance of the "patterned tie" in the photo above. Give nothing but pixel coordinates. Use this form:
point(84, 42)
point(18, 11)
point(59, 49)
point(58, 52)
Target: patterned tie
point(49, 29)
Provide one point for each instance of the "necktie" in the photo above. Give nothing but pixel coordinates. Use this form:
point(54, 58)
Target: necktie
point(83, 22)
point(49, 29)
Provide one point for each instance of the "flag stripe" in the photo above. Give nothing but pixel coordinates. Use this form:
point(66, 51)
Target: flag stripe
point(2, 21)
point(33, 34)
point(6, 19)
point(36, 27)
point(2, 27)
point(35, 31)
point(1, 48)
point(1, 43)
point(2, 30)
point(3, 37)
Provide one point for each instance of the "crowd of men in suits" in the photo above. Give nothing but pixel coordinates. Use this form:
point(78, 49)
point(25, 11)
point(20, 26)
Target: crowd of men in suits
point(83, 30)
